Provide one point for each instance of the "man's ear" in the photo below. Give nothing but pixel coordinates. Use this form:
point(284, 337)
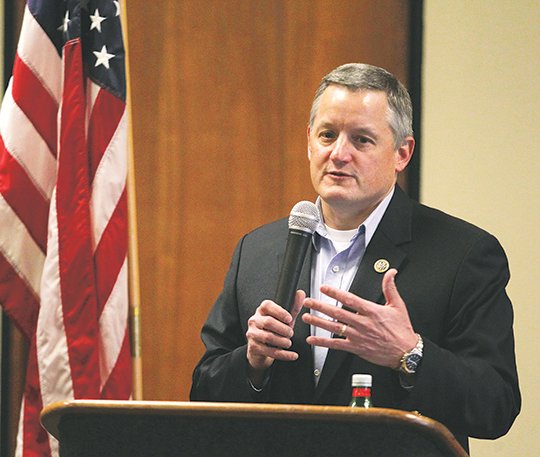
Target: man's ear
point(404, 154)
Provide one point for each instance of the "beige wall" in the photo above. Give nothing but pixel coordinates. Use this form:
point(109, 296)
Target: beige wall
point(480, 158)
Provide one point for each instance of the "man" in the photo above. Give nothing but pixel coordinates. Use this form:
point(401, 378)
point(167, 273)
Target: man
point(436, 337)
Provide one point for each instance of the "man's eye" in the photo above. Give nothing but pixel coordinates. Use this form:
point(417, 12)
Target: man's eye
point(327, 135)
point(362, 139)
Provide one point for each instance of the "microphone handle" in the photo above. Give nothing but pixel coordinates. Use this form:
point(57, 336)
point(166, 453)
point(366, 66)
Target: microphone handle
point(295, 253)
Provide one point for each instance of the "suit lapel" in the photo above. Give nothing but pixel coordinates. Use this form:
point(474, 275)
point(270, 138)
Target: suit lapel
point(394, 229)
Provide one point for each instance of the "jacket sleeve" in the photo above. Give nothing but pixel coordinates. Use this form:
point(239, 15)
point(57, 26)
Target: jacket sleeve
point(469, 380)
point(221, 374)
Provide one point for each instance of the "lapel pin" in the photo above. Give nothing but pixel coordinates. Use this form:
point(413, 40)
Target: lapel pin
point(381, 265)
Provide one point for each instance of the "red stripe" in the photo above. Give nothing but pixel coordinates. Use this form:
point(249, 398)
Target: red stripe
point(18, 190)
point(18, 299)
point(35, 438)
point(118, 386)
point(36, 102)
point(77, 280)
point(106, 114)
point(111, 252)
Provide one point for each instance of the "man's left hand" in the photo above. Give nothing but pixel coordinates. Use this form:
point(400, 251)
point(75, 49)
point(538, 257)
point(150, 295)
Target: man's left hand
point(378, 334)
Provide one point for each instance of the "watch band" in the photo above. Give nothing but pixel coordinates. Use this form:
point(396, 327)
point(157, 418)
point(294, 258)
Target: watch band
point(410, 360)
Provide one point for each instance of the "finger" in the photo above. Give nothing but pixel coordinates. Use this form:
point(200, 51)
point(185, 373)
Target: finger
point(267, 330)
point(333, 312)
point(270, 308)
point(320, 322)
point(279, 354)
point(299, 299)
point(349, 300)
point(258, 351)
point(332, 326)
point(272, 317)
point(330, 343)
point(266, 344)
point(389, 288)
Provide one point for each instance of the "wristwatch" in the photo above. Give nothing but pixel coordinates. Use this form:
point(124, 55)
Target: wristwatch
point(410, 360)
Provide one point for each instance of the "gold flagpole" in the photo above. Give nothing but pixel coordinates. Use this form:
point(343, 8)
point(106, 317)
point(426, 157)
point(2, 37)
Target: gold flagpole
point(133, 251)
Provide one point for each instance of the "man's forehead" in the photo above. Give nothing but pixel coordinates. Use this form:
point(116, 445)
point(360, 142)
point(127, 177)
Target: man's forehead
point(336, 101)
point(343, 90)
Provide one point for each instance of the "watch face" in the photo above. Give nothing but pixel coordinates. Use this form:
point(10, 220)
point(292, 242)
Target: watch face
point(412, 362)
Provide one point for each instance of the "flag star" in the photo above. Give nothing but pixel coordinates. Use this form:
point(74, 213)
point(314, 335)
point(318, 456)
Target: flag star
point(96, 21)
point(117, 4)
point(65, 23)
point(103, 57)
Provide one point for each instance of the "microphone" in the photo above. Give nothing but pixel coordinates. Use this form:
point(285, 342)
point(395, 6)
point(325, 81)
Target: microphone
point(303, 221)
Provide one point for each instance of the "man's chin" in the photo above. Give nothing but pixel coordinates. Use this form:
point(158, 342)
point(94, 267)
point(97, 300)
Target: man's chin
point(338, 194)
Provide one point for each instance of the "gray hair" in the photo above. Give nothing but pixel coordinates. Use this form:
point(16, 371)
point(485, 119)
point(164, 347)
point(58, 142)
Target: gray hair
point(358, 76)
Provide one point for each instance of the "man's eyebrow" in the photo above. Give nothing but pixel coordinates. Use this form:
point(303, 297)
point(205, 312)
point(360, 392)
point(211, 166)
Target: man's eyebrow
point(357, 130)
point(366, 130)
point(325, 125)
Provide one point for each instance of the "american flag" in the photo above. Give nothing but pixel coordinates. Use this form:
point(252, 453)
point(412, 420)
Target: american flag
point(63, 208)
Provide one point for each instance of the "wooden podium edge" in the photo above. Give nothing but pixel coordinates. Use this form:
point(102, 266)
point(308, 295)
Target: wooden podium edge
point(52, 414)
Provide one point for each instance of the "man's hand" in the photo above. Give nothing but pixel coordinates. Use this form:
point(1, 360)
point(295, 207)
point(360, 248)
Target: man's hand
point(379, 334)
point(269, 335)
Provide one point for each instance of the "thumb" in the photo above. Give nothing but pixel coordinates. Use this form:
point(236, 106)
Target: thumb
point(390, 290)
point(299, 298)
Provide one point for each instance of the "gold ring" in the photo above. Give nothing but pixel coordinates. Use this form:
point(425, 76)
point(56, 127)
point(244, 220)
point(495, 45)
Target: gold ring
point(342, 330)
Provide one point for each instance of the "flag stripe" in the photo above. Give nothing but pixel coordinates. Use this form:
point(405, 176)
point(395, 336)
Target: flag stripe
point(39, 53)
point(19, 248)
point(101, 131)
point(26, 146)
point(36, 102)
point(111, 261)
point(52, 345)
point(112, 328)
point(35, 440)
point(110, 179)
point(114, 387)
point(14, 292)
point(17, 190)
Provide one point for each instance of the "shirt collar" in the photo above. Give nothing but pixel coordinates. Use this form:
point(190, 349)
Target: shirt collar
point(374, 219)
point(370, 224)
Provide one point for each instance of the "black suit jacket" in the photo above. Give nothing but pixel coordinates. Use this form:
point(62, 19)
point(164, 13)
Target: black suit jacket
point(452, 276)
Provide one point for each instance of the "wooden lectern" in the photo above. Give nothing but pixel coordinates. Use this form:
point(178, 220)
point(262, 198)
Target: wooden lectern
point(144, 428)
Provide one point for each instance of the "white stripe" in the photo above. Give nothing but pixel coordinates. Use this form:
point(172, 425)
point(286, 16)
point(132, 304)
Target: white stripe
point(52, 347)
point(93, 90)
point(38, 52)
point(19, 446)
point(26, 145)
point(19, 248)
point(110, 180)
point(112, 325)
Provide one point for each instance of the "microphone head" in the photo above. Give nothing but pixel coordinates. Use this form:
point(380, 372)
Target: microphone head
point(304, 216)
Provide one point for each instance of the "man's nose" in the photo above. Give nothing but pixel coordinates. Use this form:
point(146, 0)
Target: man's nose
point(342, 149)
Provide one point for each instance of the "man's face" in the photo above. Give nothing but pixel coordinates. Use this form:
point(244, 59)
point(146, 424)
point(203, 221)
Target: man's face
point(353, 159)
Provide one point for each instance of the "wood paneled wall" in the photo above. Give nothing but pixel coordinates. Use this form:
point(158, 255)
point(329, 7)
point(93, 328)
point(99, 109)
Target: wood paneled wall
point(221, 96)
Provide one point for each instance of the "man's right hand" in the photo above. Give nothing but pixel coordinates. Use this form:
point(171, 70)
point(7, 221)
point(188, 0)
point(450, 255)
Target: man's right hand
point(269, 335)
